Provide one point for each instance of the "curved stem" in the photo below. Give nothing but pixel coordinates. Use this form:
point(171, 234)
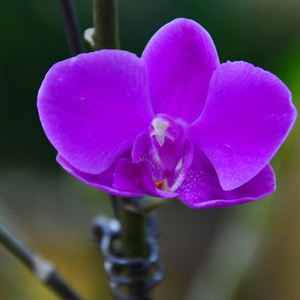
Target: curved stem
point(71, 26)
point(41, 268)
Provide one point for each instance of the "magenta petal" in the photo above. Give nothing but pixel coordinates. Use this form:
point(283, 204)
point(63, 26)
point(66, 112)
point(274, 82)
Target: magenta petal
point(247, 116)
point(181, 58)
point(136, 177)
point(103, 181)
point(93, 106)
point(202, 189)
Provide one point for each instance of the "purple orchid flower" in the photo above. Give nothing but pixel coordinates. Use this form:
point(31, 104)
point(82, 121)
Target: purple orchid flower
point(173, 123)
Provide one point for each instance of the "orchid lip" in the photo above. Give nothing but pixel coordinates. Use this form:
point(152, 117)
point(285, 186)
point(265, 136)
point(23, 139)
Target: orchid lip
point(168, 146)
point(161, 184)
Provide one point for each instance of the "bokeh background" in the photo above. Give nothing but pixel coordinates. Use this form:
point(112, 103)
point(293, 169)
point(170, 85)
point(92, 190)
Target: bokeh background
point(244, 252)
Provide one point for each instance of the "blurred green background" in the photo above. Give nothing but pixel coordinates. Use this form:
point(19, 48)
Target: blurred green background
point(245, 252)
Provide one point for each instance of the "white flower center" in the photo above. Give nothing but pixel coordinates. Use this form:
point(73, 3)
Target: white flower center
point(160, 127)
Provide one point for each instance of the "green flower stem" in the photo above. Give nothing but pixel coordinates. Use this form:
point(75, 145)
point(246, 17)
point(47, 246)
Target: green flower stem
point(133, 232)
point(105, 34)
point(41, 268)
point(115, 206)
point(71, 26)
point(134, 239)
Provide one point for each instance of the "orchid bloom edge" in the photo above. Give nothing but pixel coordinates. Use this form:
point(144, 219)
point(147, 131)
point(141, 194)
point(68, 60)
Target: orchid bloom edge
point(173, 123)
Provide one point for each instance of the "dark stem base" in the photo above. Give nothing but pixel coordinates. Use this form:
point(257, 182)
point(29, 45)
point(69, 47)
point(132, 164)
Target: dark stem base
point(127, 275)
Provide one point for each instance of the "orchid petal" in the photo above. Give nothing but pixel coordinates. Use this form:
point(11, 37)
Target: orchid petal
point(136, 177)
point(202, 189)
point(181, 58)
point(247, 116)
point(103, 181)
point(93, 106)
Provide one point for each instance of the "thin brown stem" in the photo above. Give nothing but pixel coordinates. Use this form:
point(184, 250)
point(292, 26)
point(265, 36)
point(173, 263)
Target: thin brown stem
point(71, 26)
point(41, 268)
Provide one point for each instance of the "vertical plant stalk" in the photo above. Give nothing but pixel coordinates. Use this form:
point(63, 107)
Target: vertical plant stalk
point(105, 34)
point(71, 26)
point(133, 232)
point(41, 268)
point(115, 206)
point(134, 239)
